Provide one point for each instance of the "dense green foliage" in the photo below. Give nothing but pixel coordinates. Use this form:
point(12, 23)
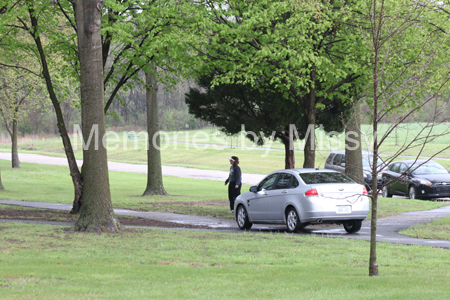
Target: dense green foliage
point(262, 109)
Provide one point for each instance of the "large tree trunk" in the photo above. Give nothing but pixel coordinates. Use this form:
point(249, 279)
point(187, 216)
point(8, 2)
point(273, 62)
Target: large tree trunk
point(14, 150)
point(97, 213)
point(310, 138)
point(74, 171)
point(154, 173)
point(353, 155)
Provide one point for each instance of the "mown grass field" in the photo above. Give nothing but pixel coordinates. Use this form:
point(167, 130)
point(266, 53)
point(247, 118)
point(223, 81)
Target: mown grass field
point(53, 262)
point(45, 183)
point(209, 150)
point(438, 230)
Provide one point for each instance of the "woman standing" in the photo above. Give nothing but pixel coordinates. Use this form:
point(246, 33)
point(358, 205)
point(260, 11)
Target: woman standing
point(235, 180)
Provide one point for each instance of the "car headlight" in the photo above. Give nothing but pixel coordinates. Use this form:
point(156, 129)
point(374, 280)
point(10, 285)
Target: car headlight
point(424, 182)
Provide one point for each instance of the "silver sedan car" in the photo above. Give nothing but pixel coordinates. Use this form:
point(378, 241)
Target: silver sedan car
point(300, 197)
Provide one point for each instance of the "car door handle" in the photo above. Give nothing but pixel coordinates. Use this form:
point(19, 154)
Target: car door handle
point(284, 192)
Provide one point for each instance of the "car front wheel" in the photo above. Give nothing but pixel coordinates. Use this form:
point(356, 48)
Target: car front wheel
point(293, 221)
point(242, 218)
point(385, 192)
point(353, 226)
point(412, 192)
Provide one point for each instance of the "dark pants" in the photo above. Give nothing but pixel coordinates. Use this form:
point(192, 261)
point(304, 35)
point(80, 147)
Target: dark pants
point(233, 192)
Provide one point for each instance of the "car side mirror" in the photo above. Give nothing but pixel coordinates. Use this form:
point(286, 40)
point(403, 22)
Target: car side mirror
point(253, 189)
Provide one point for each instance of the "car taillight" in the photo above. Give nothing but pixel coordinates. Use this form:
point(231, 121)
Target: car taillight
point(364, 190)
point(312, 192)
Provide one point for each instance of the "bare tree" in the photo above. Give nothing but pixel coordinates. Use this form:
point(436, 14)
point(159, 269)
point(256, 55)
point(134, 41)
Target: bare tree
point(408, 48)
point(15, 91)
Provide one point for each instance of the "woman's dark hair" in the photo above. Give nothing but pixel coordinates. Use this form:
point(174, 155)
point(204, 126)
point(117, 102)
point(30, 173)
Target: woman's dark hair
point(236, 160)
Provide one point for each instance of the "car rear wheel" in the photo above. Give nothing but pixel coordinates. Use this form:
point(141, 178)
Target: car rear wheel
point(412, 192)
point(353, 226)
point(385, 192)
point(242, 218)
point(293, 221)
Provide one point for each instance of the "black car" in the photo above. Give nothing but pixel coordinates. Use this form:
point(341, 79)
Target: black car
point(416, 180)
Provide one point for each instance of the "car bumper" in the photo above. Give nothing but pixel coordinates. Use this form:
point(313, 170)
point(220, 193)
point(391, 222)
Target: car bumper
point(432, 191)
point(318, 209)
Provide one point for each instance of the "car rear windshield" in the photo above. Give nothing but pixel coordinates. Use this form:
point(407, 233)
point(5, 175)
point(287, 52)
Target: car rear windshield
point(325, 177)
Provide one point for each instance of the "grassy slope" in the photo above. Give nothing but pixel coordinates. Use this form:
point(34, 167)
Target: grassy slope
point(50, 262)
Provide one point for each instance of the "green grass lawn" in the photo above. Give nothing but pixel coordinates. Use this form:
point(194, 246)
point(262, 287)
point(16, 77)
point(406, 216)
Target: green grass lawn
point(45, 183)
point(438, 229)
point(53, 262)
point(214, 157)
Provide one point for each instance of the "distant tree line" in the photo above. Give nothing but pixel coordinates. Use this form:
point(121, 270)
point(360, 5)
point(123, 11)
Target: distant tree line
point(126, 114)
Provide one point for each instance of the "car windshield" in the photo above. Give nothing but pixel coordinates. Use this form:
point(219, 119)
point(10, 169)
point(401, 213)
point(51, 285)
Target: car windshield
point(428, 168)
point(324, 177)
point(368, 161)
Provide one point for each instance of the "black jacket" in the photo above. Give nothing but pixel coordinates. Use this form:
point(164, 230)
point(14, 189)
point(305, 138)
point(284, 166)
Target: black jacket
point(235, 175)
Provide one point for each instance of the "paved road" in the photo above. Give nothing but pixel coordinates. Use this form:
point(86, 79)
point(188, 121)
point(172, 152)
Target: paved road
point(247, 178)
point(387, 230)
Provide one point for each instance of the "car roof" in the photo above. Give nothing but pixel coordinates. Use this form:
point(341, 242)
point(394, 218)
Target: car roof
point(343, 152)
point(412, 161)
point(305, 170)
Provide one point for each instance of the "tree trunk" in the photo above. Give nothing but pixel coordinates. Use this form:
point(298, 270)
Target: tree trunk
point(73, 166)
point(289, 156)
point(97, 213)
point(14, 151)
point(154, 173)
point(1, 184)
point(373, 267)
point(310, 138)
point(353, 155)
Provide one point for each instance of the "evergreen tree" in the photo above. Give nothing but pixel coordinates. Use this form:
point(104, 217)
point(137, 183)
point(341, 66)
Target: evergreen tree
point(261, 108)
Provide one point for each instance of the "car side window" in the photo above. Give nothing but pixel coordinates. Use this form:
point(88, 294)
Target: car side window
point(402, 168)
point(294, 182)
point(395, 168)
point(330, 158)
point(283, 181)
point(343, 159)
point(268, 182)
point(337, 159)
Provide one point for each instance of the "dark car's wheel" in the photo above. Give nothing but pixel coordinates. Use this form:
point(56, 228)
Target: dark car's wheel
point(242, 218)
point(353, 226)
point(412, 192)
point(385, 192)
point(293, 221)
